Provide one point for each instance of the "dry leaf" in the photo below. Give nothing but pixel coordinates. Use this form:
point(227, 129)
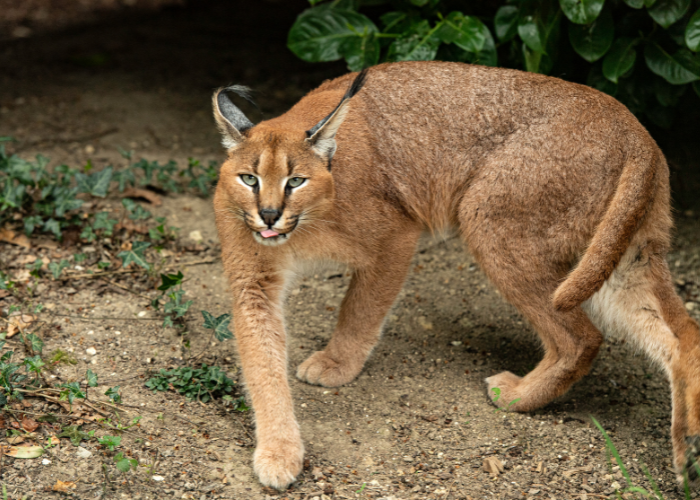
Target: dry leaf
point(63, 486)
point(24, 451)
point(14, 238)
point(15, 439)
point(28, 424)
point(53, 441)
point(145, 194)
point(18, 323)
point(493, 465)
point(586, 468)
point(316, 472)
point(131, 227)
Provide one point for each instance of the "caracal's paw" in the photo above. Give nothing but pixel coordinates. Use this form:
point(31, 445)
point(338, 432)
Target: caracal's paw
point(277, 464)
point(503, 391)
point(321, 369)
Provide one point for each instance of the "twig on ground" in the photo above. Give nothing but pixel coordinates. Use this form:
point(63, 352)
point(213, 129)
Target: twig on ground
point(126, 288)
point(94, 318)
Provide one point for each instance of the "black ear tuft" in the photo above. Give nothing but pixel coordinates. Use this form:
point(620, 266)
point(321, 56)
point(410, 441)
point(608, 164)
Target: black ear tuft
point(354, 88)
point(357, 84)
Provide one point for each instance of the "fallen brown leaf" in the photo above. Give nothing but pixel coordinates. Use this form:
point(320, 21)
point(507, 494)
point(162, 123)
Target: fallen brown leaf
point(18, 323)
point(24, 451)
point(493, 465)
point(28, 424)
point(317, 473)
point(131, 227)
point(63, 486)
point(15, 439)
point(145, 194)
point(19, 239)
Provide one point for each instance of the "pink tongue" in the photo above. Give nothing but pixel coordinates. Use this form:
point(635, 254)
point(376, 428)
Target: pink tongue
point(268, 233)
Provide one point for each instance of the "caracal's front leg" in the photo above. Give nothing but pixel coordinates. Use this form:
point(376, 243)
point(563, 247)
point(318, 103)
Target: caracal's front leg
point(261, 339)
point(372, 292)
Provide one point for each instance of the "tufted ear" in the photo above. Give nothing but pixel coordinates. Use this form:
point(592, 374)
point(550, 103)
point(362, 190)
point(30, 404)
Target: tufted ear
point(322, 135)
point(231, 120)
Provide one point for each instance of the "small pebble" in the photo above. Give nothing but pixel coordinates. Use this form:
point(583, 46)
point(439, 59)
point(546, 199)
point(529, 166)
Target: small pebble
point(142, 314)
point(83, 453)
point(91, 351)
point(158, 478)
point(46, 461)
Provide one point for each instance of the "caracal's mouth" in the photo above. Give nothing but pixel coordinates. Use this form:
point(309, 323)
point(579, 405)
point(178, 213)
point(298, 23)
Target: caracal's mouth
point(270, 237)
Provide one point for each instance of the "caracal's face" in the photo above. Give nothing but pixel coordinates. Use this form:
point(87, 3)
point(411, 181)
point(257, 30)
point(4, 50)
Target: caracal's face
point(277, 185)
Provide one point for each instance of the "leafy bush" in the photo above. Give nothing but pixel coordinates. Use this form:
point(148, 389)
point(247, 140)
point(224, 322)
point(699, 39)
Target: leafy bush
point(644, 52)
point(194, 383)
point(47, 200)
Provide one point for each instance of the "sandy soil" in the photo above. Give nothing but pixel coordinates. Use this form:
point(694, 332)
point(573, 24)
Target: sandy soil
point(416, 423)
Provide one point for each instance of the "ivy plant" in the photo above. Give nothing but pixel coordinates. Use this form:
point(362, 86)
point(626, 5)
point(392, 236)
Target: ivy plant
point(644, 52)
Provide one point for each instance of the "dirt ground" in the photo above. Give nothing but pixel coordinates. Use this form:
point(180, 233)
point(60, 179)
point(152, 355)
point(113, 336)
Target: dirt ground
point(416, 424)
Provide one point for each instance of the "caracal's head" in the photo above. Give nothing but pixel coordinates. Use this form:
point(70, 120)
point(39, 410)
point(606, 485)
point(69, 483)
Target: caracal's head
point(277, 180)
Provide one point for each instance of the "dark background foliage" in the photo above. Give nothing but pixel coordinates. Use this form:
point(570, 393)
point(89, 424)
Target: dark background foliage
point(644, 52)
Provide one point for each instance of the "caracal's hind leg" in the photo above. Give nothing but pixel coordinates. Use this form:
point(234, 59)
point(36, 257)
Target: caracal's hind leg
point(371, 294)
point(639, 302)
point(520, 264)
point(569, 339)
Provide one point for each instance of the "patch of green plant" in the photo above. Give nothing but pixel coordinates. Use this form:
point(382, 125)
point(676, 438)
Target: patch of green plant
point(631, 488)
point(59, 356)
point(49, 200)
point(644, 52)
point(76, 434)
point(110, 442)
point(194, 383)
point(124, 464)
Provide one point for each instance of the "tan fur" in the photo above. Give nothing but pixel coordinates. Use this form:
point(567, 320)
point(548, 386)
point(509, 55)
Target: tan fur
point(556, 189)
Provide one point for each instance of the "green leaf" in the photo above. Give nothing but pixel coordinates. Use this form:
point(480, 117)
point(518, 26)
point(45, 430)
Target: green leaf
point(692, 32)
point(111, 442)
point(74, 433)
point(666, 94)
point(32, 222)
point(170, 280)
point(135, 255)
point(318, 33)
point(506, 22)
point(667, 12)
point(35, 342)
point(113, 394)
point(359, 52)
point(57, 268)
point(97, 183)
point(219, 325)
point(597, 80)
point(677, 69)
point(34, 363)
point(419, 43)
point(530, 33)
point(620, 59)
point(581, 11)
point(696, 88)
point(464, 31)
point(53, 226)
point(103, 221)
point(635, 4)
point(124, 465)
point(70, 391)
point(592, 41)
point(91, 378)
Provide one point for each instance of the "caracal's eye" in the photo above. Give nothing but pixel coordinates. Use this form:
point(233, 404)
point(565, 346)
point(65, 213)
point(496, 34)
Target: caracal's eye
point(251, 180)
point(295, 182)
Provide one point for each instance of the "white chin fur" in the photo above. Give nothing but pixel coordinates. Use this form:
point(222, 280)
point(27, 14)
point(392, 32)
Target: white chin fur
point(271, 242)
